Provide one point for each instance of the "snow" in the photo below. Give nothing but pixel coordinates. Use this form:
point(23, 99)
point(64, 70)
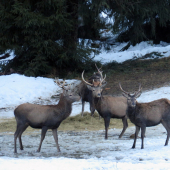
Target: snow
point(102, 154)
point(136, 51)
point(11, 53)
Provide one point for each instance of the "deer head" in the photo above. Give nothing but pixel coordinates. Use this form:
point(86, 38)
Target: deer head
point(131, 98)
point(67, 91)
point(96, 90)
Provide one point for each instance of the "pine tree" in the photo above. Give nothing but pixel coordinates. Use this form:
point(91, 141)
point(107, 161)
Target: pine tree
point(138, 20)
point(33, 29)
point(43, 35)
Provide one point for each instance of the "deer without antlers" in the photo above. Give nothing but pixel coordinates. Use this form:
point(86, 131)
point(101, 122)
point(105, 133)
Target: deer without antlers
point(147, 114)
point(107, 106)
point(44, 116)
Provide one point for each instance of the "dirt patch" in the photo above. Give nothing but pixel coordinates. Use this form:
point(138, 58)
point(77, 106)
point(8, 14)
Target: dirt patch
point(74, 123)
point(150, 73)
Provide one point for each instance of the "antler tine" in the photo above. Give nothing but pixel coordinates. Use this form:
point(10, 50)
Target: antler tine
point(98, 68)
point(122, 89)
point(139, 89)
point(64, 81)
point(103, 79)
point(85, 80)
point(99, 71)
point(59, 84)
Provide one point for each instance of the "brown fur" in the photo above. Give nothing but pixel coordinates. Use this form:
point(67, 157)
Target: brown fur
point(86, 94)
point(148, 114)
point(107, 106)
point(111, 107)
point(43, 117)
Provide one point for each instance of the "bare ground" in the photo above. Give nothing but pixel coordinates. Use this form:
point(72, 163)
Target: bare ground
point(151, 74)
point(82, 144)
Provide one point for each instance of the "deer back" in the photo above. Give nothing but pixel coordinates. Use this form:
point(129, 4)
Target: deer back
point(153, 111)
point(114, 106)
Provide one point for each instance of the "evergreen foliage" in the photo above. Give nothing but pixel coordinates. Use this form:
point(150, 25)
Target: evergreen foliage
point(138, 20)
point(89, 20)
point(52, 33)
point(43, 35)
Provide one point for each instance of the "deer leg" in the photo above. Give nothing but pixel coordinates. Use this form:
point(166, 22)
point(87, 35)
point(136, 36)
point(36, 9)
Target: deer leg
point(15, 138)
point(107, 122)
point(43, 132)
point(125, 125)
point(92, 109)
point(165, 124)
point(83, 102)
point(143, 129)
point(20, 141)
point(17, 133)
point(56, 138)
point(136, 135)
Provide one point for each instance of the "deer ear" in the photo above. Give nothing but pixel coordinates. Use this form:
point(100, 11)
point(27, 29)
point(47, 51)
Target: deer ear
point(125, 95)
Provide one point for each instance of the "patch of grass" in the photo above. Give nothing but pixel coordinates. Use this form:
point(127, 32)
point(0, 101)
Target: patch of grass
point(150, 73)
point(9, 125)
point(74, 123)
point(79, 123)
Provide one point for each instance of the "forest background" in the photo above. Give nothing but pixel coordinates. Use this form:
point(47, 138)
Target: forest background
point(60, 38)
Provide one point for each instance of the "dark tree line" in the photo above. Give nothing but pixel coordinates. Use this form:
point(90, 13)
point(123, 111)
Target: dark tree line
point(141, 20)
point(45, 35)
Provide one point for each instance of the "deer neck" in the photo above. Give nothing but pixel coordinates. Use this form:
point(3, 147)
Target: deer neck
point(131, 112)
point(97, 102)
point(64, 106)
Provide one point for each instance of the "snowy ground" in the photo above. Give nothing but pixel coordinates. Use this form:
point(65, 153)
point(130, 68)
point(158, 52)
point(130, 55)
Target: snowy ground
point(80, 150)
point(87, 150)
point(136, 51)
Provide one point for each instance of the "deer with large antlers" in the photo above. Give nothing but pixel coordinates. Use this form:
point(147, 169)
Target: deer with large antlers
point(44, 116)
point(147, 114)
point(86, 94)
point(107, 106)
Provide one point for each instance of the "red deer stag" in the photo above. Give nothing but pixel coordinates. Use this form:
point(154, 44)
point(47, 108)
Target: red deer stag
point(44, 116)
point(86, 94)
point(147, 114)
point(107, 106)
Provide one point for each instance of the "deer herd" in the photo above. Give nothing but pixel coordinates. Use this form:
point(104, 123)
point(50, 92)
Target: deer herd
point(125, 107)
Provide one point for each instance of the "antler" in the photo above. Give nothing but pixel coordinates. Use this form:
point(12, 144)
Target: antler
point(100, 72)
point(138, 90)
point(98, 68)
point(122, 89)
point(102, 80)
point(136, 93)
point(59, 84)
point(85, 80)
